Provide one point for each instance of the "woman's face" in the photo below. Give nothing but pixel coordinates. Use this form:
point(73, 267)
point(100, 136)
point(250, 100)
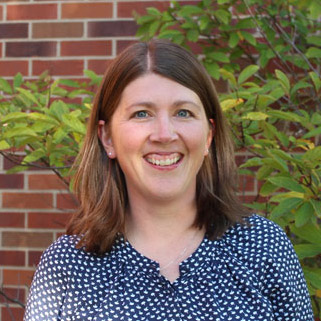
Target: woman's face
point(159, 134)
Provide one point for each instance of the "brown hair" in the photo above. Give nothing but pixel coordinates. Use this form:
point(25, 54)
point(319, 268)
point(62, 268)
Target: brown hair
point(99, 182)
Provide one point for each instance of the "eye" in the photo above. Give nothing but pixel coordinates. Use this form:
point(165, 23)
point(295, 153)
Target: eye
point(184, 113)
point(141, 114)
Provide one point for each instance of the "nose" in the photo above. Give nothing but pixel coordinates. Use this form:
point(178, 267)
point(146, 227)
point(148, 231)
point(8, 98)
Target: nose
point(164, 130)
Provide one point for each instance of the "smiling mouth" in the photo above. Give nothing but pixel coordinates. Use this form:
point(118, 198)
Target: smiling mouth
point(163, 160)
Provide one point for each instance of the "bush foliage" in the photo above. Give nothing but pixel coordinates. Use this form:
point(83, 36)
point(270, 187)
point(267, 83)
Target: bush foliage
point(269, 55)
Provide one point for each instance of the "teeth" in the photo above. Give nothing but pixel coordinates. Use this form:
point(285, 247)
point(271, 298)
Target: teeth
point(163, 162)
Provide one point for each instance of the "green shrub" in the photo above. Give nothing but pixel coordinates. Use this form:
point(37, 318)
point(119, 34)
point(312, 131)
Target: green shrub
point(269, 53)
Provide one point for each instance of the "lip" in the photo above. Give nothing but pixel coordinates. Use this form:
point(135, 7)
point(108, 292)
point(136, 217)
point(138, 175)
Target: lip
point(163, 157)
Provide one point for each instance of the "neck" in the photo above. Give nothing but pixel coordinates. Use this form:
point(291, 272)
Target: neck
point(152, 220)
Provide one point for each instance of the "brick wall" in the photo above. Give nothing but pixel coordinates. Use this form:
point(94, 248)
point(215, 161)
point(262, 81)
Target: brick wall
point(64, 37)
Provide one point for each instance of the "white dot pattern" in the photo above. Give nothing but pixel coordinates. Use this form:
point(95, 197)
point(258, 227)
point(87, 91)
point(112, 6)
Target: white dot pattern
point(251, 273)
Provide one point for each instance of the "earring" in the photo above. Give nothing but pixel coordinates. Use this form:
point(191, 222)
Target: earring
point(109, 153)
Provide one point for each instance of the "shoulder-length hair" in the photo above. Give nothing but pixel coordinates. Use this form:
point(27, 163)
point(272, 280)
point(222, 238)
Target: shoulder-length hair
point(99, 181)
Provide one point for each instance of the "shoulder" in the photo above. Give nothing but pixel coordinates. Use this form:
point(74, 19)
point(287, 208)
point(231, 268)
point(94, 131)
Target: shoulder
point(64, 253)
point(258, 237)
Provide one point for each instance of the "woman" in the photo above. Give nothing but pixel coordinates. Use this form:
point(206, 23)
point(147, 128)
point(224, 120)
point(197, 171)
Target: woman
point(160, 233)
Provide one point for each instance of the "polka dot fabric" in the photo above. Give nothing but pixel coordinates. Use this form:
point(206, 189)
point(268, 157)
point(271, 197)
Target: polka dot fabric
point(251, 273)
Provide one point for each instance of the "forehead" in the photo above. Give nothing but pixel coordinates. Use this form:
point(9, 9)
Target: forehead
point(153, 87)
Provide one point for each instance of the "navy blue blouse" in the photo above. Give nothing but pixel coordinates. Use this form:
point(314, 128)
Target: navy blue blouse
point(251, 273)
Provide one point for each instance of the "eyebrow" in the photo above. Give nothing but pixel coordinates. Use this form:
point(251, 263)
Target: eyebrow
point(177, 103)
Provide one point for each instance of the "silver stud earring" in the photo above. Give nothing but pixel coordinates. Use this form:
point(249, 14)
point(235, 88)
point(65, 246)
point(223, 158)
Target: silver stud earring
point(109, 153)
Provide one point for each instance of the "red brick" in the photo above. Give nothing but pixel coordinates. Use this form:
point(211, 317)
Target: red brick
point(98, 66)
point(31, 11)
point(48, 220)
point(11, 180)
point(66, 201)
point(17, 277)
point(13, 30)
point(1, 13)
point(11, 219)
point(27, 200)
point(57, 30)
point(12, 67)
point(34, 258)
point(126, 9)
point(87, 10)
point(123, 44)
point(246, 183)
point(45, 181)
point(14, 258)
point(13, 293)
point(26, 239)
point(112, 28)
point(31, 49)
point(12, 313)
point(0, 49)
point(58, 67)
point(86, 48)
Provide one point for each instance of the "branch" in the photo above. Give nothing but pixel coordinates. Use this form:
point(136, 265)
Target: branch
point(12, 300)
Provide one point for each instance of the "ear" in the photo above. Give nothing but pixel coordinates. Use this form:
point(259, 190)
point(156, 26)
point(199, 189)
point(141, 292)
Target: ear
point(105, 139)
point(210, 136)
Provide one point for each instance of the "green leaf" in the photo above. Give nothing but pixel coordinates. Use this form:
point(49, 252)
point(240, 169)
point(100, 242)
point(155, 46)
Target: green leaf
point(228, 75)
point(213, 69)
point(5, 86)
point(19, 132)
point(153, 11)
point(264, 172)
point(58, 108)
point(29, 95)
point(17, 169)
point(189, 10)
point(303, 214)
point(219, 56)
point(59, 135)
point(307, 250)
point(286, 115)
point(153, 27)
point(254, 161)
point(230, 103)
point(287, 183)
point(314, 40)
point(313, 276)
point(267, 189)
point(34, 156)
point(283, 79)
point(17, 80)
point(312, 133)
point(4, 145)
point(42, 117)
point(299, 85)
point(13, 117)
point(222, 15)
point(309, 232)
point(233, 40)
point(249, 38)
point(313, 52)
point(316, 206)
point(255, 116)
point(316, 80)
point(285, 206)
point(192, 35)
point(313, 155)
point(247, 73)
point(74, 124)
point(69, 83)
